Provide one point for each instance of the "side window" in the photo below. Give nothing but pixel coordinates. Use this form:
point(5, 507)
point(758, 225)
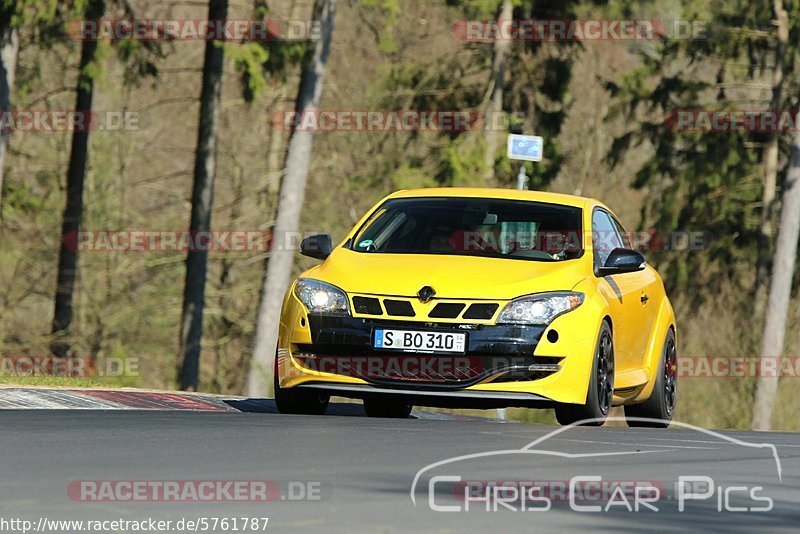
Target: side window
point(605, 237)
point(624, 238)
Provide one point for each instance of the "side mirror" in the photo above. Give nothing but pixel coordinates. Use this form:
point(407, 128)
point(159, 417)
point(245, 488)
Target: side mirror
point(622, 260)
point(317, 246)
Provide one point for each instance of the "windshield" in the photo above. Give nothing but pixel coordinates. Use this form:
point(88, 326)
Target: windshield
point(474, 227)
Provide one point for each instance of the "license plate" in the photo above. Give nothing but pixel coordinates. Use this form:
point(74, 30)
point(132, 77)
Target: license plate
point(420, 341)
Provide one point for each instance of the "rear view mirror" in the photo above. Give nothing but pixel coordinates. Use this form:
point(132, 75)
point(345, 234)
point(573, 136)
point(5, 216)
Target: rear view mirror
point(623, 260)
point(317, 246)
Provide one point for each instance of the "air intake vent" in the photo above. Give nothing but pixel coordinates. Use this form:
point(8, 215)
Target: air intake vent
point(367, 306)
point(480, 311)
point(400, 308)
point(446, 310)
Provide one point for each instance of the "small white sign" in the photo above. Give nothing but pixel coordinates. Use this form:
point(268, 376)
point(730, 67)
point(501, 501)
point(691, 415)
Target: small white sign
point(525, 147)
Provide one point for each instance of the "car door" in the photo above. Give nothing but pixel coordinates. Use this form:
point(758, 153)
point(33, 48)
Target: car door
point(625, 294)
point(642, 307)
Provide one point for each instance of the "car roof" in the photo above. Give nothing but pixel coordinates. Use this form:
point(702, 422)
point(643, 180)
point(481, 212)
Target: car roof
point(510, 194)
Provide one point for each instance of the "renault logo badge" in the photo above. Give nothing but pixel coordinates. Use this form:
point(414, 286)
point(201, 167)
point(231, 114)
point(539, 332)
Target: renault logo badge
point(426, 293)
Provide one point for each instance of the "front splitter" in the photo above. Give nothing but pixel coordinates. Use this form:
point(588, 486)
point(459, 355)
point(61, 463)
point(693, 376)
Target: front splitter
point(439, 399)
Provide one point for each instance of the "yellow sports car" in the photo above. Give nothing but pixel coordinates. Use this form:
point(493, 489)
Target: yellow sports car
point(458, 297)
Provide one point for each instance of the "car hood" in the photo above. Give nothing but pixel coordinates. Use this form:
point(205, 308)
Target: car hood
point(462, 277)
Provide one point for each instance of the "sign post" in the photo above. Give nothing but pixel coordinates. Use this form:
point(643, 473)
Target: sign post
point(524, 148)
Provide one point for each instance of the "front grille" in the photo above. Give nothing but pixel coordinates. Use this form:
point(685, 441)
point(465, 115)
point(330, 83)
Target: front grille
point(481, 311)
point(399, 308)
point(367, 306)
point(440, 370)
point(403, 368)
point(446, 310)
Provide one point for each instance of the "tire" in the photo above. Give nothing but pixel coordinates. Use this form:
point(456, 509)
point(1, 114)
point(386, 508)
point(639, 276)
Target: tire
point(660, 406)
point(388, 408)
point(601, 386)
point(299, 401)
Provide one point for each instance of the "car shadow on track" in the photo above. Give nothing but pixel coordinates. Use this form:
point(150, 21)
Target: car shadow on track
point(254, 405)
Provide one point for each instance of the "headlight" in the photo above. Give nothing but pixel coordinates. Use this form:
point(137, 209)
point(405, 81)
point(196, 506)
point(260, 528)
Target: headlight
point(539, 309)
point(322, 298)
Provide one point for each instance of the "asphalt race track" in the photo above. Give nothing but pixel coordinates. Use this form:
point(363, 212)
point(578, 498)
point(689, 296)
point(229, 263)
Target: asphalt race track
point(359, 472)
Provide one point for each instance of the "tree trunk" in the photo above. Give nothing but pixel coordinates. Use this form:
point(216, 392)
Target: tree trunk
point(771, 152)
point(9, 46)
point(292, 191)
point(780, 288)
point(492, 136)
point(202, 201)
point(275, 154)
point(73, 211)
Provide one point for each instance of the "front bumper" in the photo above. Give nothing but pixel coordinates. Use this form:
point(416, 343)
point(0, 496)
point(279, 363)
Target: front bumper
point(503, 365)
point(344, 346)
